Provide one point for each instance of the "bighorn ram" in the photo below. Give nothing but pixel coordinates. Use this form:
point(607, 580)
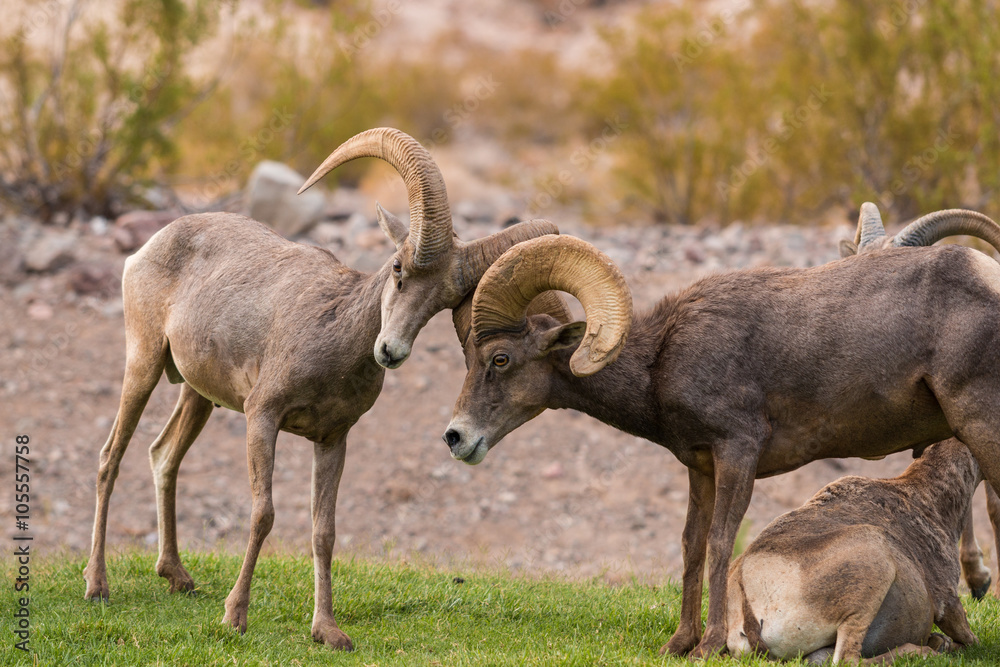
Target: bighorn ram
point(741, 375)
point(864, 569)
point(284, 333)
point(925, 231)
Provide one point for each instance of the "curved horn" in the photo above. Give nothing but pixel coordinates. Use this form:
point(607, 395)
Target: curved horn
point(870, 229)
point(931, 228)
point(557, 263)
point(430, 217)
point(547, 303)
point(475, 257)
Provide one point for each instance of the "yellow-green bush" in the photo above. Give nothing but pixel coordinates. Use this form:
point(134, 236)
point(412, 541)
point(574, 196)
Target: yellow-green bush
point(87, 122)
point(780, 109)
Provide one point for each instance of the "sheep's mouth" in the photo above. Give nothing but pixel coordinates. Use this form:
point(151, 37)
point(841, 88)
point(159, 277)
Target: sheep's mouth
point(476, 454)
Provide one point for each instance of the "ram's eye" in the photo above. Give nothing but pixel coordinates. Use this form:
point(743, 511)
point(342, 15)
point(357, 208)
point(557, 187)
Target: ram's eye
point(500, 360)
point(397, 266)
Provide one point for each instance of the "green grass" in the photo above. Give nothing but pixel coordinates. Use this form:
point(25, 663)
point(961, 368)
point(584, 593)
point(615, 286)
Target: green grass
point(396, 613)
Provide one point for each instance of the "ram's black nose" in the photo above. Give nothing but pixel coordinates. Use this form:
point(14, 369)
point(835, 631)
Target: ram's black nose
point(452, 437)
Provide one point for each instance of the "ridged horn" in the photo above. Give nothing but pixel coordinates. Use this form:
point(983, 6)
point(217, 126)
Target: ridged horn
point(547, 303)
point(475, 257)
point(870, 229)
point(931, 228)
point(430, 217)
point(557, 263)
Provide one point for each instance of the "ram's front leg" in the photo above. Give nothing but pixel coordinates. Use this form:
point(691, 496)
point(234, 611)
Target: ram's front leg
point(262, 431)
point(328, 464)
point(735, 470)
point(701, 503)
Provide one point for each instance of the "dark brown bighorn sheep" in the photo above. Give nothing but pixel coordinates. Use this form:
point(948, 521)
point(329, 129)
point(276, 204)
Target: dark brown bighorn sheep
point(284, 333)
point(924, 231)
point(743, 374)
point(864, 569)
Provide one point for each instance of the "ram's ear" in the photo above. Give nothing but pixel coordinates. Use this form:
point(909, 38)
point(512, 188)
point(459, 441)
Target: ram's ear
point(847, 248)
point(561, 337)
point(391, 225)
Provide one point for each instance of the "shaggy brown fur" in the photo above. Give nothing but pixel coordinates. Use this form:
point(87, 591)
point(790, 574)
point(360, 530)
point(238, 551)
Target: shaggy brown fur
point(758, 372)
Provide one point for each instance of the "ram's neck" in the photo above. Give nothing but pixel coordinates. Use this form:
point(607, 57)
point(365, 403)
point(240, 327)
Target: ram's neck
point(352, 300)
point(622, 394)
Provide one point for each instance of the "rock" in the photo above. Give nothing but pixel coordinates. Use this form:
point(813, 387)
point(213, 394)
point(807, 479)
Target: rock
point(93, 279)
point(371, 240)
point(358, 223)
point(270, 198)
point(475, 211)
point(11, 260)
point(98, 225)
point(327, 233)
point(50, 252)
point(40, 311)
point(552, 471)
point(345, 202)
point(133, 229)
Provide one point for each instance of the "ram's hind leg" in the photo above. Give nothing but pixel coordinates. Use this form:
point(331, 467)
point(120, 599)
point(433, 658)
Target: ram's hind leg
point(975, 572)
point(328, 464)
point(993, 508)
point(143, 367)
point(186, 422)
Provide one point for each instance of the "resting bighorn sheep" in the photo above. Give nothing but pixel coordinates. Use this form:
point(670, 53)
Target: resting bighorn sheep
point(865, 568)
point(743, 374)
point(284, 333)
point(925, 231)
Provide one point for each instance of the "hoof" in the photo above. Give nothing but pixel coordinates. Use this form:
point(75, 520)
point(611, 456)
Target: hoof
point(183, 584)
point(237, 619)
point(679, 645)
point(97, 591)
point(980, 591)
point(333, 637)
point(940, 643)
point(179, 579)
point(98, 596)
point(820, 656)
point(707, 648)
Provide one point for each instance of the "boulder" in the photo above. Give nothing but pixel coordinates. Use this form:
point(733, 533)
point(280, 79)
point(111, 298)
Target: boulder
point(133, 229)
point(270, 198)
point(88, 279)
point(50, 252)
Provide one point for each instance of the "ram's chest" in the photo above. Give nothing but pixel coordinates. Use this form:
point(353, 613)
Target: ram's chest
point(329, 407)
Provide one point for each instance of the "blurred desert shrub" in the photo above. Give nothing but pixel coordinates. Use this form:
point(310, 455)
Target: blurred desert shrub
point(780, 109)
point(84, 125)
point(753, 109)
point(682, 96)
point(190, 94)
point(910, 102)
point(298, 93)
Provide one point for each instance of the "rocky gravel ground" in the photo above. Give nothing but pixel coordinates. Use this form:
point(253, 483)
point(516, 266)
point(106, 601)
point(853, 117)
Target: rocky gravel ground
point(564, 493)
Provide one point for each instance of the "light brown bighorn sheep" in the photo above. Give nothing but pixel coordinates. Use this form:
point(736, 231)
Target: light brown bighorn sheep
point(284, 333)
point(863, 569)
point(924, 231)
point(743, 374)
